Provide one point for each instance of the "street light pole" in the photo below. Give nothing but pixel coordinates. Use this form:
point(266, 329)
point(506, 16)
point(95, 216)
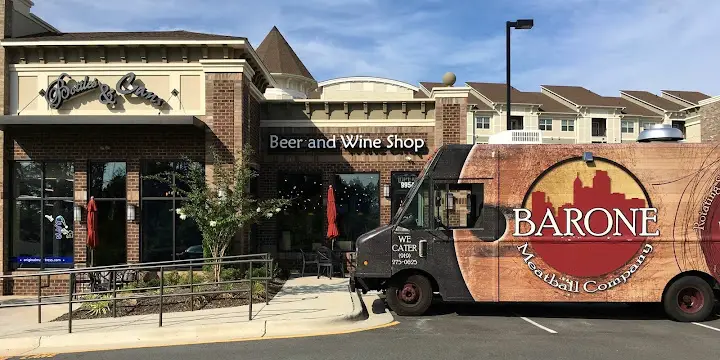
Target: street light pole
point(521, 24)
point(508, 25)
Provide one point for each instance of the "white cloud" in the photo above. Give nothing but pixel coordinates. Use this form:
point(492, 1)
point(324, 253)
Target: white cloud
point(603, 45)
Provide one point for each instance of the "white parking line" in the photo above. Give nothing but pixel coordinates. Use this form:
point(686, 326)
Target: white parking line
point(707, 326)
point(538, 325)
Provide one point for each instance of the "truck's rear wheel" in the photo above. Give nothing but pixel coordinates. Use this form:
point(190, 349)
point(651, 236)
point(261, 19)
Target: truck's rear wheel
point(410, 296)
point(689, 299)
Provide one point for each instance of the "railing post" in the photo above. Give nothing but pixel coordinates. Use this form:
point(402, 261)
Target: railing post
point(251, 291)
point(70, 300)
point(268, 273)
point(162, 287)
point(114, 292)
point(39, 299)
point(192, 289)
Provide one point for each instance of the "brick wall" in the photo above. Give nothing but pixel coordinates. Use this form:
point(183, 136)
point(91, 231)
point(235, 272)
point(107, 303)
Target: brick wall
point(450, 121)
point(131, 144)
point(56, 285)
point(710, 122)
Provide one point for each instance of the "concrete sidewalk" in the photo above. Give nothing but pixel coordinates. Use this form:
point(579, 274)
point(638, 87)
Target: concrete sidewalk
point(304, 306)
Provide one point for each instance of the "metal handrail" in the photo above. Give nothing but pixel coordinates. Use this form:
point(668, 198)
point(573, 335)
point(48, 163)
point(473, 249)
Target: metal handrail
point(73, 295)
point(133, 265)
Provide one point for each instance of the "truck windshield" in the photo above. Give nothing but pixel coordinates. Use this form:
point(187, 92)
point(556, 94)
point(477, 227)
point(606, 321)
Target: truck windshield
point(410, 198)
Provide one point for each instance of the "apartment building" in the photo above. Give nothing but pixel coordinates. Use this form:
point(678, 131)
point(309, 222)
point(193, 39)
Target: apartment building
point(573, 114)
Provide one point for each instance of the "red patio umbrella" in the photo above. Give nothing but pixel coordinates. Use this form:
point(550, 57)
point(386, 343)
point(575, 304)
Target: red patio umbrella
point(92, 239)
point(332, 231)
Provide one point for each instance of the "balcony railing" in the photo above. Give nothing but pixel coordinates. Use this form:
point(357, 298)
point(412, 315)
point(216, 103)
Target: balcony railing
point(517, 137)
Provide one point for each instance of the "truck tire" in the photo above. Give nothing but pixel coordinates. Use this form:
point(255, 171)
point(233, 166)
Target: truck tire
point(689, 299)
point(410, 296)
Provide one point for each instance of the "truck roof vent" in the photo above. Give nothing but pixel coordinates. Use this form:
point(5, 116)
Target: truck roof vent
point(661, 132)
point(516, 137)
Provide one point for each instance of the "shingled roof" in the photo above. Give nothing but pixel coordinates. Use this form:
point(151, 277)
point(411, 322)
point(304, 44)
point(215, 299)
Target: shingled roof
point(279, 57)
point(497, 93)
point(634, 109)
point(123, 36)
point(654, 100)
point(581, 96)
point(693, 97)
point(548, 104)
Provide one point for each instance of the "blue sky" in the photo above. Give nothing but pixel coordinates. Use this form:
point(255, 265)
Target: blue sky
point(604, 45)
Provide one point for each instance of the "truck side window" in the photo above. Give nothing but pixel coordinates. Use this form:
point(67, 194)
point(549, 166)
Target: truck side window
point(459, 206)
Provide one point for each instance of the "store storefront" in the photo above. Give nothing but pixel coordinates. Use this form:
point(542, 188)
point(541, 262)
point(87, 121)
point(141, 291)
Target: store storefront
point(92, 115)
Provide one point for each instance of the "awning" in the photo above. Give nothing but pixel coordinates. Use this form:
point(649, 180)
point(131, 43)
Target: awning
point(10, 120)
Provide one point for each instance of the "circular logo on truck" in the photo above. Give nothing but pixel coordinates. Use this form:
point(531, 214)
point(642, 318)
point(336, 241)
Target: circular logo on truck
point(586, 219)
point(708, 227)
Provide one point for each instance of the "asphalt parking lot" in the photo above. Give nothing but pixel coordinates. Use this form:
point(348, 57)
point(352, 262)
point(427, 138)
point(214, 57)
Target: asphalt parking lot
point(480, 331)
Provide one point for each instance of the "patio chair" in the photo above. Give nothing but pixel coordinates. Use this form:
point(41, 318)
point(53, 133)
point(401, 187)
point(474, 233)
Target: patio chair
point(307, 259)
point(327, 261)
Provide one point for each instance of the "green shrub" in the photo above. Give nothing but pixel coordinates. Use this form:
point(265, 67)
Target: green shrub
point(172, 278)
point(97, 308)
point(258, 288)
point(230, 274)
point(259, 272)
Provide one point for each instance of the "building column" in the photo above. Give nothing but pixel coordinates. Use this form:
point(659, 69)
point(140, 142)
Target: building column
point(232, 115)
point(450, 115)
point(710, 122)
point(6, 11)
point(132, 247)
point(80, 225)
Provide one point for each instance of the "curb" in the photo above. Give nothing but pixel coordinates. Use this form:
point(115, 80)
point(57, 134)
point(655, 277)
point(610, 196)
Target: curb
point(154, 337)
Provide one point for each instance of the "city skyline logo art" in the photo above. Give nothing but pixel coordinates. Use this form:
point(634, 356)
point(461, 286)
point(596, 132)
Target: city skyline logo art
point(589, 224)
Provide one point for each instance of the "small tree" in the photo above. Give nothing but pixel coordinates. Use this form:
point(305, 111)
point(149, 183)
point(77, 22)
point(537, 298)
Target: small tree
point(223, 207)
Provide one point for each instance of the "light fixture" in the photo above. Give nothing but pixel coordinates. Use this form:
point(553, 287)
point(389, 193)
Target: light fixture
point(408, 158)
point(587, 156)
point(450, 201)
point(130, 212)
point(386, 190)
point(77, 213)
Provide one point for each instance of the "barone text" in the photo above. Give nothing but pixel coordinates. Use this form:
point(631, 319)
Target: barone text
point(348, 142)
point(578, 223)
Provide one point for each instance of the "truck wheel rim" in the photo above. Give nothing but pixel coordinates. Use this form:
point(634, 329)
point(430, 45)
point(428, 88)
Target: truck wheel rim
point(690, 300)
point(410, 293)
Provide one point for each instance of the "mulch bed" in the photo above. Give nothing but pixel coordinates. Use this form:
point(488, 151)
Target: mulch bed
point(179, 303)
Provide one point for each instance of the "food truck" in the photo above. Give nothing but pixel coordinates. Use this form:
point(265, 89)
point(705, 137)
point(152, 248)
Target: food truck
point(634, 222)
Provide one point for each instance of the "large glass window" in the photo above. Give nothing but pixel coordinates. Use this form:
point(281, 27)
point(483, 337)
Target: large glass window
point(358, 205)
point(164, 235)
point(400, 184)
point(42, 225)
point(301, 224)
point(107, 183)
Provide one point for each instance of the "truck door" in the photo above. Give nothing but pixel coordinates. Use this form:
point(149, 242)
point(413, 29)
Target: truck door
point(468, 223)
point(412, 238)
